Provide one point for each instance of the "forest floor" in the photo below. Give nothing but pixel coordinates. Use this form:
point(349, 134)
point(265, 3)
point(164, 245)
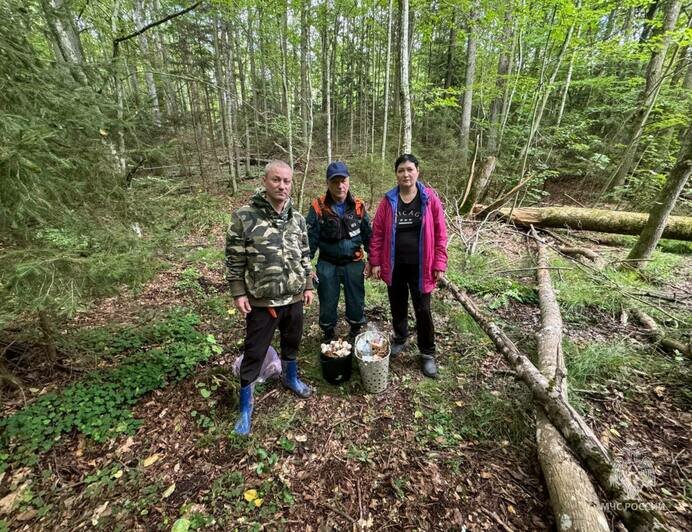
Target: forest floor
point(453, 453)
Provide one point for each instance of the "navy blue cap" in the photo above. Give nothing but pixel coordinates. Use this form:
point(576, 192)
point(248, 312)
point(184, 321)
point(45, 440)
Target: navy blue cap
point(337, 169)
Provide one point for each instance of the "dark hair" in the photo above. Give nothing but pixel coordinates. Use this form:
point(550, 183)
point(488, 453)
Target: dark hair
point(405, 157)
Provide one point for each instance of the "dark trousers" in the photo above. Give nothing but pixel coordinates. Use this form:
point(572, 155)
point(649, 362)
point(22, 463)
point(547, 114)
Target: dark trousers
point(404, 281)
point(331, 278)
point(259, 330)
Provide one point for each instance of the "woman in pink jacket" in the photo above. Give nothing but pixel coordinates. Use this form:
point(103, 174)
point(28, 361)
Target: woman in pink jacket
point(408, 251)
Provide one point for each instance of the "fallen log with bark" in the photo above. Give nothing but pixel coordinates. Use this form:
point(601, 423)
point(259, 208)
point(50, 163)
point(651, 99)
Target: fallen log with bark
point(621, 222)
point(635, 514)
point(575, 504)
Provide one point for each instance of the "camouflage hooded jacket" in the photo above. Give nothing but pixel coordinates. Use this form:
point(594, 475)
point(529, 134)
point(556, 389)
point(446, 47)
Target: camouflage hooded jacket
point(267, 253)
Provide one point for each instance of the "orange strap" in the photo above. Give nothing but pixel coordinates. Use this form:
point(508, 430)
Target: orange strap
point(318, 205)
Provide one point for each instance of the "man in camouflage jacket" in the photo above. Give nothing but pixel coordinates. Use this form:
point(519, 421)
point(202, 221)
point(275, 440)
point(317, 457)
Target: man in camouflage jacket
point(269, 273)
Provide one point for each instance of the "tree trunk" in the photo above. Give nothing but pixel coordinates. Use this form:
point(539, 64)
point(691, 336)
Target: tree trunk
point(543, 98)
point(169, 92)
point(404, 89)
point(581, 439)
point(575, 504)
point(328, 85)
point(286, 92)
point(229, 88)
point(119, 152)
point(62, 27)
point(621, 222)
point(386, 78)
point(503, 66)
point(46, 326)
point(467, 103)
point(658, 218)
point(304, 47)
point(568, 80)
point(451, 47)
point(141, 19)
point(221, 96)
point(479, 183)
point(647, 97)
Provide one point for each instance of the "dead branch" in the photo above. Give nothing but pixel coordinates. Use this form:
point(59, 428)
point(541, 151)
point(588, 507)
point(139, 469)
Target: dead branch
point(581, 439)
point(668, 344)
point(573, 497)
point(484, 211)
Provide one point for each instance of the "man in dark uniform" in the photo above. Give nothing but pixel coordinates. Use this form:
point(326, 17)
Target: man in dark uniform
point(339, 228)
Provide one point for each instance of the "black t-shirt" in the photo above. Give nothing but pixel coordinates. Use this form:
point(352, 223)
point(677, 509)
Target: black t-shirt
point(408, 224)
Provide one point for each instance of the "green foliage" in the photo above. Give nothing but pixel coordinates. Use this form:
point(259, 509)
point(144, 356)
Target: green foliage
point(597, 364)
point(497, 414)
point(480, 274)
point(99, 406)
point(189, 281)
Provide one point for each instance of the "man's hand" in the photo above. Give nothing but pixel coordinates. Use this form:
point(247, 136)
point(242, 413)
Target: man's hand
point(308, 296)
point(375, 272)
point(438, 274)
point(366, 270)
point(242, 303)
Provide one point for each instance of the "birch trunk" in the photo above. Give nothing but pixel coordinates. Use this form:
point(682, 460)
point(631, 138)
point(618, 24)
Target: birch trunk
point(141, 20)
point(328, 85)
point(545, 95)
point(579, 436)
point(568, 80)
point(62, 27)
point(386, 79)
point(119, 152)
point(503, 66)
point(231, 119)
point(286, 92)
point(221, 96)
point(574, 501)
point(405, 89)
point(467, 103)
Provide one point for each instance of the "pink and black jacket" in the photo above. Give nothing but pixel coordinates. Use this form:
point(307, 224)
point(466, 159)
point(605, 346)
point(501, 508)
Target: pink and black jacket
point(433, 237)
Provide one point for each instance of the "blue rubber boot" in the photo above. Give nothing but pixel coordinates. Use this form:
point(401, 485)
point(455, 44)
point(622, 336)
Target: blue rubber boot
point(289, 377)
point(242, 426)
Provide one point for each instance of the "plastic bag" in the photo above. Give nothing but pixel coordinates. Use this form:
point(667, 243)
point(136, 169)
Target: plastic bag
point(271, 366)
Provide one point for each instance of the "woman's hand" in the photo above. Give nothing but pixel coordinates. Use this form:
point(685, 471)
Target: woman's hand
point(438, 275)
point(375, 272)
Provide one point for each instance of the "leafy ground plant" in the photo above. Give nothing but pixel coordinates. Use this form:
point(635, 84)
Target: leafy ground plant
point(99, 406)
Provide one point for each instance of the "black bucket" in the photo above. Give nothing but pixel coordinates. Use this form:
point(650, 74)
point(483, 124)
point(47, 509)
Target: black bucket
point(336, 370)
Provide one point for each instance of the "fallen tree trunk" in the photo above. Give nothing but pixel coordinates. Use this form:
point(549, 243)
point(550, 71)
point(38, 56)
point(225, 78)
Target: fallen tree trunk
point(668, 344)
point(575, 504)
point(621, 222)
point(635, 514)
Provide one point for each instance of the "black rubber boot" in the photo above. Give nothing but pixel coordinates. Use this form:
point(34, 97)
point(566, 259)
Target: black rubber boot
point(429, 366)
point(396, 348)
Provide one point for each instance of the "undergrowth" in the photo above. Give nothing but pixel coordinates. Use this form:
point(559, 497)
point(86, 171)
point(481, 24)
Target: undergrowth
point(99, 406)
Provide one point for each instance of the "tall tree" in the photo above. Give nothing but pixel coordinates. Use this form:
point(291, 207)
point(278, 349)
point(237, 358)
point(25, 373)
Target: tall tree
point(469, 78)
point(503, 69)
point(404, 80)
point(66, 39)
point(387, 67)
point(663, 205)
point(141, 20)
point(648, 95)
